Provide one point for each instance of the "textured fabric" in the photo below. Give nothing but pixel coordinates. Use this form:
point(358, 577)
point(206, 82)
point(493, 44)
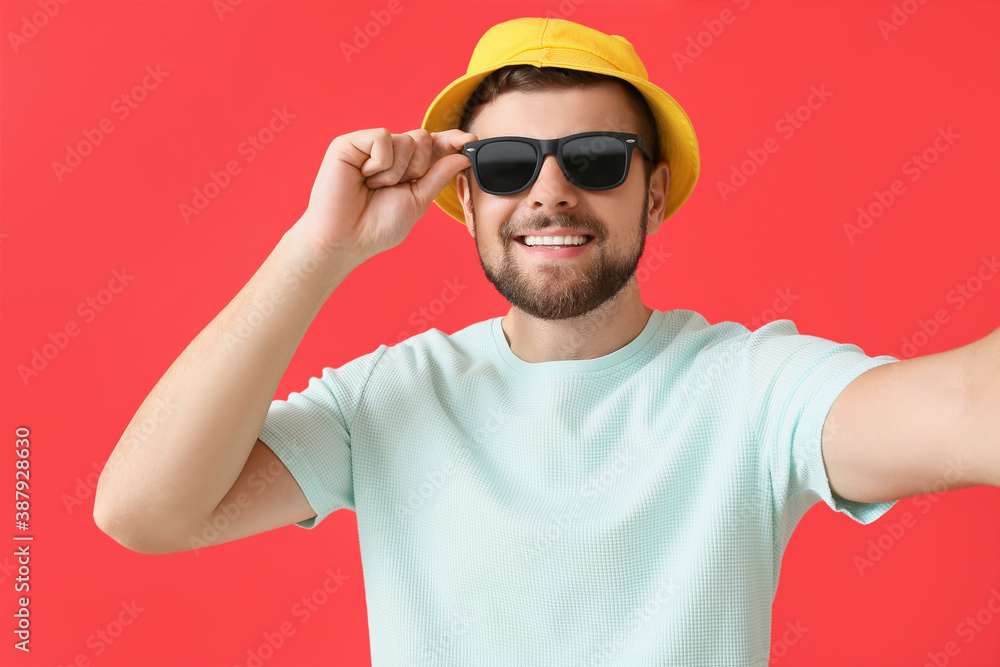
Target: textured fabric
point(631, 509)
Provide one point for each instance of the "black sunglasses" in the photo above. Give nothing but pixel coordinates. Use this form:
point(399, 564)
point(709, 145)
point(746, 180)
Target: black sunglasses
point(590, 160)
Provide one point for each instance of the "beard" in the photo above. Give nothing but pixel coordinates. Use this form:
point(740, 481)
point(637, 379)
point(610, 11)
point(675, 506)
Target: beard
point(562, 289)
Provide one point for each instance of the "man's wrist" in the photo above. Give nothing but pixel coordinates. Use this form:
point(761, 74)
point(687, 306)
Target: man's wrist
point(311, 261)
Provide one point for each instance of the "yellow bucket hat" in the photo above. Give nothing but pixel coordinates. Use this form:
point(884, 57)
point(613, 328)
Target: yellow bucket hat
point(548, 42)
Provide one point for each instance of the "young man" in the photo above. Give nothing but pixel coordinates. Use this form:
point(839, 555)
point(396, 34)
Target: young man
point(584, 480)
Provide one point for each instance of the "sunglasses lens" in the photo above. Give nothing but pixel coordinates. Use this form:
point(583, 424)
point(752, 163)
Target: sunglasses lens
point(595, 162)
point(505, 166)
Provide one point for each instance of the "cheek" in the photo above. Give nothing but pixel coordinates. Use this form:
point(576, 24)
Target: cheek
point(493, 205)
point(630, 196)
point(492, 212)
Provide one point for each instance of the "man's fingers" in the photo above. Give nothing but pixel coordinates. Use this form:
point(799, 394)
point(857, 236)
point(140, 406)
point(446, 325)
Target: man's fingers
point(450, 141)
point(422, 154)
point(412, 155)
point(380, 153)
point(402, 147)
point(437, 177)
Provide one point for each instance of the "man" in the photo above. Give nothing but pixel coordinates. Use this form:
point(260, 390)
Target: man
point(585, 480)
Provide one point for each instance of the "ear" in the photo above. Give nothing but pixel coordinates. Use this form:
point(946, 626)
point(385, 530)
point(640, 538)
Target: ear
point(462, 189)
point(659, 186)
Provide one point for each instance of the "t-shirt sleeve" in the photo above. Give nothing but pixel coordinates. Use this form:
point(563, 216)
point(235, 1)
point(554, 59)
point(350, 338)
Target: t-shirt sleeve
point(310, 433)
point(792, 381)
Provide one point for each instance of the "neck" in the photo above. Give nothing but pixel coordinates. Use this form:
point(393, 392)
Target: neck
point(600, 332)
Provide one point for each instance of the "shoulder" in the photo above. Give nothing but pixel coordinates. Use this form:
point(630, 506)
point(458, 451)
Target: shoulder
point(436, 349)
point(689, 331)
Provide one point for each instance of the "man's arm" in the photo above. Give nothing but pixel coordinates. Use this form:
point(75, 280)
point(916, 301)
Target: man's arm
point(192, 447)
point(160, 484)
point(917, 426)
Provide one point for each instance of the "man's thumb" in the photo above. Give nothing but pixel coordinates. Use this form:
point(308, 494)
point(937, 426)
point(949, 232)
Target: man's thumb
point(437, 177)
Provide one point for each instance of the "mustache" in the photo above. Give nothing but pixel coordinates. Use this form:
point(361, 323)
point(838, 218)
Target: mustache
point(584, 223)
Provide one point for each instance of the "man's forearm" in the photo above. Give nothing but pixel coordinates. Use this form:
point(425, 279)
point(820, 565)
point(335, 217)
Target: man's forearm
point(981, 436)
point(190, 438)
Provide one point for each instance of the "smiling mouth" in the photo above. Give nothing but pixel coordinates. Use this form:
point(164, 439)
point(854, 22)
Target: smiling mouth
point(539, 244)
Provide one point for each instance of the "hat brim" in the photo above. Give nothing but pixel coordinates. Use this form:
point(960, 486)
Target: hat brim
point(678, 142)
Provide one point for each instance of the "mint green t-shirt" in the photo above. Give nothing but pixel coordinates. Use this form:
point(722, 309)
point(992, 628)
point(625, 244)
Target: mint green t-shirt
point(631, 509)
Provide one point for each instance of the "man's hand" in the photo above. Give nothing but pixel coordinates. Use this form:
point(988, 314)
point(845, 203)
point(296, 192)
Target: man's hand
point(373, 186)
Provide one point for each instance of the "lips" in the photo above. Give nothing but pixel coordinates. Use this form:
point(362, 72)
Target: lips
point(563, 252)
point(590, 237)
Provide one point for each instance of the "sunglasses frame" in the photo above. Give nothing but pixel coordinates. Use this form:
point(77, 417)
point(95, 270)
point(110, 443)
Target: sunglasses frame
point(544, 147)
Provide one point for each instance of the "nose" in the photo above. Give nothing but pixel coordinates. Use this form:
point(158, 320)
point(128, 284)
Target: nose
point(551, 190)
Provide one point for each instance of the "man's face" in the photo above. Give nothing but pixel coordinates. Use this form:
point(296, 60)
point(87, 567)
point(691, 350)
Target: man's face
point(575, 283)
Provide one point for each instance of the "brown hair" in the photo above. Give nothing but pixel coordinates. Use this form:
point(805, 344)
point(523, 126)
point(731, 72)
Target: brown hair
point(528, 78)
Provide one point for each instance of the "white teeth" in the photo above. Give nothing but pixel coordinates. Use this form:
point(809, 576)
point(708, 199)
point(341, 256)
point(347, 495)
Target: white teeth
point(554, 240)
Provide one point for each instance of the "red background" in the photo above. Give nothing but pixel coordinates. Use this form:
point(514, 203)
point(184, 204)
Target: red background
point(62, 239)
